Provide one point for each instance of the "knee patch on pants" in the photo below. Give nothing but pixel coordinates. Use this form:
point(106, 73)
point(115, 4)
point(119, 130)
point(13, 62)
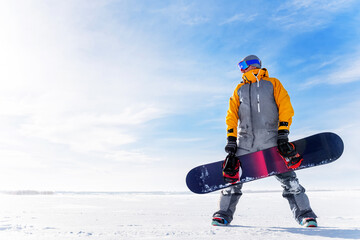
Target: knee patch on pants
point(293, 188)
point(233, 190)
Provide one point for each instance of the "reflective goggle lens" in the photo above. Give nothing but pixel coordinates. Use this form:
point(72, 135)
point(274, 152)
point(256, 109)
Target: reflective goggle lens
point(245, 64)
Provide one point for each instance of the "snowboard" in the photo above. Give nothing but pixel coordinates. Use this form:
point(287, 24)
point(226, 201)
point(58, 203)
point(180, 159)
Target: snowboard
point(316, 150)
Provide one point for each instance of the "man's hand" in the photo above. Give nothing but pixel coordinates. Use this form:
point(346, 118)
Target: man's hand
point(287, 150)
point(231, 169)
point(231, 145)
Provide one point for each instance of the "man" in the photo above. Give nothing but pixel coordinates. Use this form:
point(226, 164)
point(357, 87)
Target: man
point(262, 107)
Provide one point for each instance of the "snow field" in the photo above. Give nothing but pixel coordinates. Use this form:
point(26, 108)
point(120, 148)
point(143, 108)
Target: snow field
point(260, 215)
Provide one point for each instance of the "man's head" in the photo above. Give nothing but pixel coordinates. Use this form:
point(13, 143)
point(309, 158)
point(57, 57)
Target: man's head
point(249, 62)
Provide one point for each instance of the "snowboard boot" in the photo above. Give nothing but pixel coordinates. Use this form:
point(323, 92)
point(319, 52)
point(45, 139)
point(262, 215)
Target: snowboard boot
point(219, 221)
point(308, 222)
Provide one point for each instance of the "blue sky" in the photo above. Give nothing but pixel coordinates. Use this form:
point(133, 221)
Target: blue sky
point(128, 95)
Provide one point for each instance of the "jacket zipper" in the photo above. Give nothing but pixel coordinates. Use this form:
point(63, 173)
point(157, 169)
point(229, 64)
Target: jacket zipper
point(258, 96)
point(251, 117)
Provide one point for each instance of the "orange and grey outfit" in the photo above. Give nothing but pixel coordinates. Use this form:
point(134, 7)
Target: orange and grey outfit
point(260, 106)
point(263, 107)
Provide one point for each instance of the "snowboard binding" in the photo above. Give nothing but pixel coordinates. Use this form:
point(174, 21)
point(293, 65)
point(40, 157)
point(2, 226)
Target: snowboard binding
point(291, 157)
point(231, 169)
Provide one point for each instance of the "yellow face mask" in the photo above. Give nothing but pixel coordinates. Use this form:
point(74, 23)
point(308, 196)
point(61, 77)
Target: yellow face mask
point(250, 76)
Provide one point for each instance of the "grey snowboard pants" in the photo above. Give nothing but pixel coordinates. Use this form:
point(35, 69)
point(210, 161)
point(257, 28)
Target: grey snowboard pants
point(293, 192)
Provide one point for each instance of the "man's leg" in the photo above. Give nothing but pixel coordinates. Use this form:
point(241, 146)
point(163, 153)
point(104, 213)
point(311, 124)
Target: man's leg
point(229, 198)
point(295, 194)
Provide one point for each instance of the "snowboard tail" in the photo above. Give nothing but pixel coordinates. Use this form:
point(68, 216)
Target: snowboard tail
point(315, 150)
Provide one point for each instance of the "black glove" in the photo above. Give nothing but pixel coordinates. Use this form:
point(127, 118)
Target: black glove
point(231, 168)
point(288, 150)
point(284, 147)
point(231, 145)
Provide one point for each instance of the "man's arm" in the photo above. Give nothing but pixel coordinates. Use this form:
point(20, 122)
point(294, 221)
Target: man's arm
point(286, 111)
point(232, 117)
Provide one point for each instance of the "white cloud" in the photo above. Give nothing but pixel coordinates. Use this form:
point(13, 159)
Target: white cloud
point(182, 13)
point(303, 16)
point(240, 17)
point(343, 71)
point(351, 73)
point(184, 140)
point(80, 87)
point(134, 157)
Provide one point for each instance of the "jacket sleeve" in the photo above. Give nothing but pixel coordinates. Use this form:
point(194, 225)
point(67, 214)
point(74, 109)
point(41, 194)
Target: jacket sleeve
point(286, 111)
point(232, 117)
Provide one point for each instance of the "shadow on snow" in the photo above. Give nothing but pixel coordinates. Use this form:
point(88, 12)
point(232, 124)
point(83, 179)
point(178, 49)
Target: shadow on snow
point(322, 231)
point(319, 231)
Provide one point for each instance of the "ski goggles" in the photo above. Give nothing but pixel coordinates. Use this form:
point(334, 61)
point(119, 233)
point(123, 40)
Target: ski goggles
point(245, 64)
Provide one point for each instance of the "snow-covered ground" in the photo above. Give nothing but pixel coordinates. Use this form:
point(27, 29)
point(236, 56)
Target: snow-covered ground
point(260, 215)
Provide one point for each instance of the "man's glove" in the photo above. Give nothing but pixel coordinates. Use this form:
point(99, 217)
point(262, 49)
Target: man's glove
point(231, 145)
point(287, 150)
point(231, 169)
